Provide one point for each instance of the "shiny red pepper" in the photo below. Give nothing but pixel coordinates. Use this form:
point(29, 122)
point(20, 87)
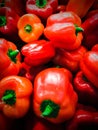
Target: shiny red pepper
point(38, 52)
point(9, 58)
point(8, 23)
point(42, 8)
point(84, 87)
point(69, 59)
point(90, 33)
point(86, 117)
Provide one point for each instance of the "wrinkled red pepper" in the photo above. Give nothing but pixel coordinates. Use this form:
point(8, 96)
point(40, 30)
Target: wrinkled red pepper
point(86, 117)
point(84, 87)
point(90, 33)
point(9, 58)
point(42, 8)
point(69, 59)
point(89, 66)
point(8, 23)
point(38, 52)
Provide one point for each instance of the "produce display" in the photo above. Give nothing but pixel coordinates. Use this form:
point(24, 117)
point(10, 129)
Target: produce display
point(48, 65)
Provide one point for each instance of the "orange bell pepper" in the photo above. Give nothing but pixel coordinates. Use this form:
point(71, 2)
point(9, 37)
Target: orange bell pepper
point(15, 92)
point(30, 27)
point(54, 97)
point(80, 7)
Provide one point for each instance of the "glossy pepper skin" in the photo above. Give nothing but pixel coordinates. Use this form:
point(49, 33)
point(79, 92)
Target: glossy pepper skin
point(79, 7)
point(86, 117)
point(10, 59)
point(42, 8)
point(16, 5)
point(54, 98)
point(89, 66)
point(84, 87)
point(90, 33)
point(15, 94)
point(61, 17)
point(29, 27)
point(38, 52)
point(69, 59)
point(8, 23)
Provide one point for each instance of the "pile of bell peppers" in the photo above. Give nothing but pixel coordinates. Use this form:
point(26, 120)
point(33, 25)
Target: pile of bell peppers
point(48, 65)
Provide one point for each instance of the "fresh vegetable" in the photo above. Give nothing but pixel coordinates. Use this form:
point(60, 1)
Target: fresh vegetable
point(15, 94)
point(54, 97)
point(79, 7)
point(42, 8)
point(38, 52)
point(10, 59)
point(8, 23)
point(89, 66)
point(69, 59)
point(30, 27)
point(90, 33)
point(84, 87)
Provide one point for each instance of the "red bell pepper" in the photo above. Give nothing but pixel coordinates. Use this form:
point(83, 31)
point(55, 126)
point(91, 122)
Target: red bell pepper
point(8, 23)
point(42, 8)
point(95, 48)
point(54, 98)
point(38, 52)
point(29, 27)
point(89, 66)
point(10, 59)
point(86, 117)
point(84, 87)
point(63, 17)
point(15, 94)
point(90, 33)
point(79, 7)
point(16, 5)
point(69, 59)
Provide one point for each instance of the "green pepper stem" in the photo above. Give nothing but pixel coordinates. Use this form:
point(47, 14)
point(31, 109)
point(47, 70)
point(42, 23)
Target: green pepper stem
point(2, 21)
point(41, 3)
point(12, 54)
point(78, 29)
point(9, 97)
point(28, 28)
point(48, 110)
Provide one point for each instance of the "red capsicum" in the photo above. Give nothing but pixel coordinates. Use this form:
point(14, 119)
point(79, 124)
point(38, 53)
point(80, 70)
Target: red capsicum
point(89, 66)
point(16, 5)
point(69, 59)
point(8, 23)
point(62, 17)
point(42, 8)
point(10, 59)
point(86, 117)
point(90, 33)
point(79, 7)
point(95, 48)
point(54, 97)
point(38, 52)
point(30, 27)
point(15, 94)
point(84, 87)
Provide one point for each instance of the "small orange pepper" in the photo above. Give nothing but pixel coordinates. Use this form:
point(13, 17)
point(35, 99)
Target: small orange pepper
point(30, 27)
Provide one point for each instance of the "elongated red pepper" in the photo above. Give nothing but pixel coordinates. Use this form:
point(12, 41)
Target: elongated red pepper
point(9, 58)
point(69, 59)
point(86, 117)
point(38, 52)
point(42, 8)
point(89, 66)
point(84, 87)
point(54, 97)
point(15, 94)
point(90, 33)
point(8, 23)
